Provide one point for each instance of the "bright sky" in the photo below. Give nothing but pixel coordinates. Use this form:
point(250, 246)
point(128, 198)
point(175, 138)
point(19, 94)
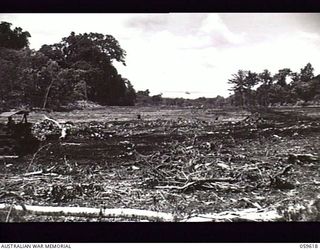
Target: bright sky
point(196, 53)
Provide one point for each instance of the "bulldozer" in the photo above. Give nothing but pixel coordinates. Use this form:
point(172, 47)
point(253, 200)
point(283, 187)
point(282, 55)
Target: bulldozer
point(16, 138)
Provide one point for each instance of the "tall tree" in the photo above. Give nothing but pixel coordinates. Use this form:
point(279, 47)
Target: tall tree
point(281, 77)
point(13, 39)
point(265, 77)
point(306, 73)
point(263, 91)
point(251, 81)
point(243, 82)
point(238, 81)
point(302, 87)
point(10, 91)
point(52, 69)
point(93, 54)
point(130, 94)
point(94, 48)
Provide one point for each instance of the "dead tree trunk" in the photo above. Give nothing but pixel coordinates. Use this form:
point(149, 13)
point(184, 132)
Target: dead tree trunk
point(47, 95)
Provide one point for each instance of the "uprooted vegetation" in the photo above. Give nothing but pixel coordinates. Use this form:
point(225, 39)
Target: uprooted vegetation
point(171, 165)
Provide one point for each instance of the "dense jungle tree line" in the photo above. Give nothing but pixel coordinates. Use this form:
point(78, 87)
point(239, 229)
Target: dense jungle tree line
point(80, 67)
point(252, 89)
point(283, 88)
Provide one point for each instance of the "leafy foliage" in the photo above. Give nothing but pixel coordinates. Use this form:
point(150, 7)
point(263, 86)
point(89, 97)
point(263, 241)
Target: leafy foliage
point(13, 39)
point(284, 87)
point(91, 55)
point(80, 67)
point(243, 82)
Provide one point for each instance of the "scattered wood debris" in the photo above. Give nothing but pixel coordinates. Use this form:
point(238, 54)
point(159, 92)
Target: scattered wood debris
point(177, 169)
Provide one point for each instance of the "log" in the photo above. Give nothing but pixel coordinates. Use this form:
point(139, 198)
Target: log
point(92, 212)
point(304, 158)
point(4, 157)
point(33, 173)
point(201, 183)
point(250, 214)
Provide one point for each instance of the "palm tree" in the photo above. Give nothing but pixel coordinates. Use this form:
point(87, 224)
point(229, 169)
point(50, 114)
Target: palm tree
point(238, 81)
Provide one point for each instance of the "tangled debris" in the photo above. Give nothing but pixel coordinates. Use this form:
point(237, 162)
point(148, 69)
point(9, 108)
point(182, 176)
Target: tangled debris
point(50, 129)
point(257, 169)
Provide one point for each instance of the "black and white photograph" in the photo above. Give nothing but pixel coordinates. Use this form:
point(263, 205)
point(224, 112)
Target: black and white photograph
point(164, 117)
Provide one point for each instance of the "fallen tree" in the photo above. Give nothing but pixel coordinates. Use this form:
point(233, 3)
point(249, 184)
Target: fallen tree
point(251, 214)
point(90, 212)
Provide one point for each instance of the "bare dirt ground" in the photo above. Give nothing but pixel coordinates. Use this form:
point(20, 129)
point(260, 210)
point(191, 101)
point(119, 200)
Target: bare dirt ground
point(185, 162)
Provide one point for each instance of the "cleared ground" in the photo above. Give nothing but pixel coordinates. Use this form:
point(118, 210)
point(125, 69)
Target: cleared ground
point(181, 161)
